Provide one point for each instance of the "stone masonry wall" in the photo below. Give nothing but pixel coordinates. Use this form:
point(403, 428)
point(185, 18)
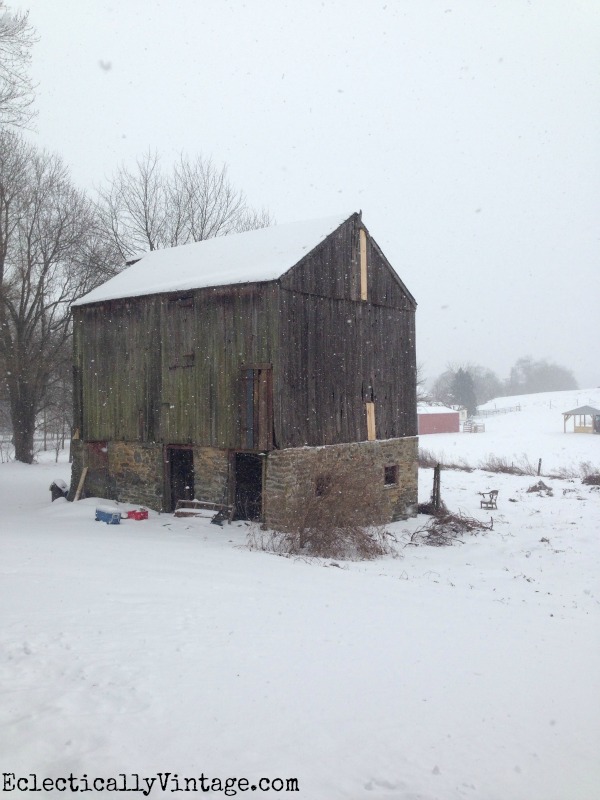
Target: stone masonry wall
point(136, 471)
point(211, 474)
point(135, 474)
point(288, 471)
point(98, 482)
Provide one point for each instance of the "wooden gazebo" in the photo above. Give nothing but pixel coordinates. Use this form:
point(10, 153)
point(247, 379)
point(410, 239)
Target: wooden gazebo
point(586, 419)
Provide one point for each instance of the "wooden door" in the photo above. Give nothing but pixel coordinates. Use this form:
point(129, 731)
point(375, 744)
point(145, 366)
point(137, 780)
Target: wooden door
point(257, 407)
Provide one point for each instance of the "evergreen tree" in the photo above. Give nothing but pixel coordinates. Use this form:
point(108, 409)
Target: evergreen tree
point(463, 391)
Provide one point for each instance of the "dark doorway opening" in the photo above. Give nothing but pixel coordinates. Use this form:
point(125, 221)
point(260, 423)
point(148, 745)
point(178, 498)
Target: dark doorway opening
point(248, 486)
point(180, 462)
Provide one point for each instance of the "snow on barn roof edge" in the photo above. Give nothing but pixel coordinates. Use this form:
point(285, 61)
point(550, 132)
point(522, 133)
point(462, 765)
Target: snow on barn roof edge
point(263, 254)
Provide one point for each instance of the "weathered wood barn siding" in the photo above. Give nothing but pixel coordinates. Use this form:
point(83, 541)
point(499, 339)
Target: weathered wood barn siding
point(232, 327)
point(168, 367)
point(338, 352)
point(117, 370)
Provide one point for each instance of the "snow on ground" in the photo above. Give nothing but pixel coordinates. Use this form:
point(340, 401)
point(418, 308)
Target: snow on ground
point(164, 645)
point(534, 432)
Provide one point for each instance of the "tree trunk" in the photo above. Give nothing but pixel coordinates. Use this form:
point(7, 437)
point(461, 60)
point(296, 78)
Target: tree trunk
point(22, 411)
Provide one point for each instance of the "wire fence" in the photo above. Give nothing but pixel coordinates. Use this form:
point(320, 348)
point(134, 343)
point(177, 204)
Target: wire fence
point(491, 412)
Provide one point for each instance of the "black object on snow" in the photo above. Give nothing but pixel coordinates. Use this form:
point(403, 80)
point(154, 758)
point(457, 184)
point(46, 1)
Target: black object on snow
point(58, 488)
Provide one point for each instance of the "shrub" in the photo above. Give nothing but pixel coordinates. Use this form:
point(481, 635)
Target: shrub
point(592, 479)
point(336, 513)
point(427, 458)
point(501, 464)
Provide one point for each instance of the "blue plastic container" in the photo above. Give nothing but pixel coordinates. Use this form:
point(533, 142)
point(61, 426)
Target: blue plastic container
point(112, 516)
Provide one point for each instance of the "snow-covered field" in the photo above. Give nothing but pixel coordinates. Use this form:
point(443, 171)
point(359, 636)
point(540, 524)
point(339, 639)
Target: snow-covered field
point(534, 432)
point(164, 646)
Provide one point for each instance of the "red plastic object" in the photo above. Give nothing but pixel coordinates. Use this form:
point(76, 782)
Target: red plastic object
point(137, 513)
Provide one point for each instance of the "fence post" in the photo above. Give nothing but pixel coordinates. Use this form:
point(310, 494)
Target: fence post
point(435, 494)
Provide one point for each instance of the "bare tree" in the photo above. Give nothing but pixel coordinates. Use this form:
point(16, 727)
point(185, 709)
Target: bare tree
point(51, 252)
point(55, 413)
point(441, 390)
point(16, 90)
point(423, 394)
point(150, 207)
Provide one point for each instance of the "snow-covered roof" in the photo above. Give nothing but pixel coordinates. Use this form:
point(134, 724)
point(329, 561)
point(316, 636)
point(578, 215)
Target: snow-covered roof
point(423, 408)
point(582, 410)
point(251, 257)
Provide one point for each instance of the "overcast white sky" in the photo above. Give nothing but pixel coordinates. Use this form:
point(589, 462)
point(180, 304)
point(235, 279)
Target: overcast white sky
point(468, 133)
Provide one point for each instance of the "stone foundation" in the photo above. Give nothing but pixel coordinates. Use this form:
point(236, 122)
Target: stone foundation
point(136, 470)
point(293, 471)
point(98, 481)
point(211, 474)
point(134, 473)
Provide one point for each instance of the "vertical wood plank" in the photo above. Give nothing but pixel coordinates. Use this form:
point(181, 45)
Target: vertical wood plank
point(363, 265)
point(371, 432)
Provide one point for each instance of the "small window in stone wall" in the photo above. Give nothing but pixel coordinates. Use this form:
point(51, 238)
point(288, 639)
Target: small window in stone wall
point(390, 475)
point(323, 483)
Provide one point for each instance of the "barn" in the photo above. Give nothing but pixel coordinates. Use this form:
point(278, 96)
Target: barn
point(437, 418)
point(220, 370)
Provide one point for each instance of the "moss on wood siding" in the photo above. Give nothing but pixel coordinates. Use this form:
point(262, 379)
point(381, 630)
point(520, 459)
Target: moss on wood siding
point(168, 369)
point(232, 327)
point(117, 355)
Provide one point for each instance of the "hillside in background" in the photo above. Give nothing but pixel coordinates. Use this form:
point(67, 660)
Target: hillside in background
point(561, 401)
point(526, 435)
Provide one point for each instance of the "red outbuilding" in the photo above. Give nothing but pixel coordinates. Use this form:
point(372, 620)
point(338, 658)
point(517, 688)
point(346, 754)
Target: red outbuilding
point(437, 419)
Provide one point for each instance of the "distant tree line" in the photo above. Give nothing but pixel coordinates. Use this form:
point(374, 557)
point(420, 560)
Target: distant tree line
point(58, 242)
point(470, 385)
